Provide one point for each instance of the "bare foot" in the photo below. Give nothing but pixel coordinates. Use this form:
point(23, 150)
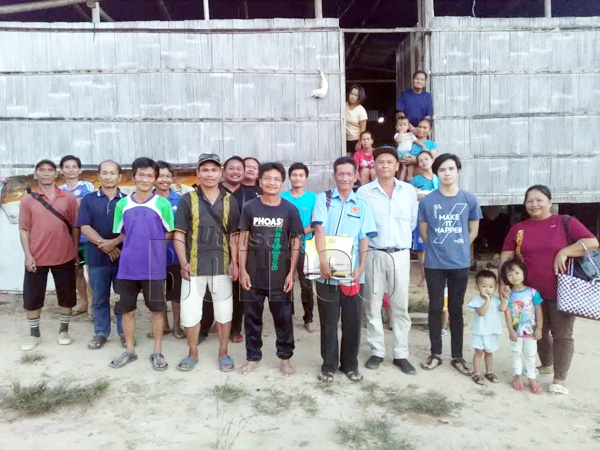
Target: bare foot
point(421, 283)
point(286, 368)
point(310, 327)
point(248, 367)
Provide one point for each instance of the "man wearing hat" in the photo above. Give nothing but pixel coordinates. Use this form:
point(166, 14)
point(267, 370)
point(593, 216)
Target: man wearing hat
point(205, 224)
point(46, 219)
point(395, 208)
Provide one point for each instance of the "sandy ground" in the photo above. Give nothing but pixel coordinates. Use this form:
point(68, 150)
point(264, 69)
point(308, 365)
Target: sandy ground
point(143, 409)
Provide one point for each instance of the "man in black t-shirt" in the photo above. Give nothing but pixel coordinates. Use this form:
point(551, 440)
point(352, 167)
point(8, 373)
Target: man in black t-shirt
point(269, 248)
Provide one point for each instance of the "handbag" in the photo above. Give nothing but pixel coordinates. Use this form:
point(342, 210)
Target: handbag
point(576, 296)
point(585, 267)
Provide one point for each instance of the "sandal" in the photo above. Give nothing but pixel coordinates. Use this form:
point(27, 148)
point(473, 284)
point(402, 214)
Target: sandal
point(125, 358)
point(178, 333)
point(97, 342)
point(354, 375)
point(158, 362)
point(165, 332)
point(325, 377)
point(226, 364)
point(558, 389)
point(429, 364)
point(492, 377)
point(461, 365)
point(237, 338)
point(187, 364)
point(478, 379)
point(517, 385)
point(535, 388)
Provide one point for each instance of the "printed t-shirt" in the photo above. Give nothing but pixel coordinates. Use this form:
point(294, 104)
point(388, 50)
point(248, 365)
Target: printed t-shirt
point(448, 231)
point(522, 310)
point(271, 230)
point(364, 160)
point(491, 322)
point(144, 254)
point(212, 249)
point(540, 242)
point(81, 189)
point(305, 204)
point(50, 242)
point(353, 118)
point(417, 149)
point(415, 106)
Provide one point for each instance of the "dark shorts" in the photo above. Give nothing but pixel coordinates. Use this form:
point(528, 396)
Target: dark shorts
point(173, 283)
point(34, 286)
point(128, 290)
point(83, 253)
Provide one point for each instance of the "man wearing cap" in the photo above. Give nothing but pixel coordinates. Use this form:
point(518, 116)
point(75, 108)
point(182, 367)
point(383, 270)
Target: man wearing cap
point(395, 208)
point(46, 220)
point(341, 212)
point(206, 222)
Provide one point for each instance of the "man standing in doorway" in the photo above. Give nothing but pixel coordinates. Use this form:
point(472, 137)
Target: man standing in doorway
point(395, 207)
point(205, 241)
point(305, 202)
point(449, 223)
point(46, 219)
point(146, 221)
point(96, 220)
point(416, 103)
point(70, 167)
point(269, 231)
point(341, 212)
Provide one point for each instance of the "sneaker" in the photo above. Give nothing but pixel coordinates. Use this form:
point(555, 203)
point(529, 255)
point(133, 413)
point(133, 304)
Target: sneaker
point(64, 338)
point(31, 343)
point(445, 332)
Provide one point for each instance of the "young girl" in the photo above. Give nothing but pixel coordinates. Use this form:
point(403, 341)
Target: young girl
point(487, 326)
point(524, 321)
point(405, 141)
point(364, 158)
point(421, 143)
point(423, 183)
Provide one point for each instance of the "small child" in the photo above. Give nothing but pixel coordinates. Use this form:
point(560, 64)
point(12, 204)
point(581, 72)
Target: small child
point(364, 158)
point(421, 143)
point(524, 320)
point(405, 141)
point(487, 326)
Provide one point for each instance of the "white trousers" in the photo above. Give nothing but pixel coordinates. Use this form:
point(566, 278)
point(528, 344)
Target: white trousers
point(524, 348)
point(387, 272)
point(192, 298)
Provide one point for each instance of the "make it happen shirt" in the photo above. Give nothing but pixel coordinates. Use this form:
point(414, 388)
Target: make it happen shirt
point(144, 254)
point(448, 228)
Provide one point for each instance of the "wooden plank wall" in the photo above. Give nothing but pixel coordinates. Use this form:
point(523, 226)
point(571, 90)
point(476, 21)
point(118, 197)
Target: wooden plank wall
point(171, 92)
point(520, 107)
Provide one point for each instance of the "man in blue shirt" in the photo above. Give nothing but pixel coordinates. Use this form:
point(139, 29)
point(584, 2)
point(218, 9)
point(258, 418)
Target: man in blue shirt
point(304, 201)
point(340, 212)
point(416, 103)
point(449, 223)
point(96, 215)
point(394, 205)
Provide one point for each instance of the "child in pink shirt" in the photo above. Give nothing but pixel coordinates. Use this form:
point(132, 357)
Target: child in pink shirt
point(364, 158)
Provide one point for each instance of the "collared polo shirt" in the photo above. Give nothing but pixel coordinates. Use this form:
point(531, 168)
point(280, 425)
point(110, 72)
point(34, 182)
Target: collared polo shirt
point(81, 189)
point(50, 242)
point(210, 249)
point(395, 217)
point(352, 217)
point(97, 211)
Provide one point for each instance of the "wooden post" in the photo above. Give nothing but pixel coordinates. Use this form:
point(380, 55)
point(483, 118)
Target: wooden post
point(547, 8)
point(206, 10)
point(96, 13)
point(318, 9)
point(245, 12)
point(37, 6)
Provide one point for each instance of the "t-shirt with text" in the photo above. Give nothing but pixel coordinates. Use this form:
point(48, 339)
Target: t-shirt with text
point(448, 228)
point(271, 230)
point(144, 254)
point(522, 310)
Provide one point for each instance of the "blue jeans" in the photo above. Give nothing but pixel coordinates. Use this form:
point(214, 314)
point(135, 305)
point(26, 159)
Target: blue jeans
point(101, 279)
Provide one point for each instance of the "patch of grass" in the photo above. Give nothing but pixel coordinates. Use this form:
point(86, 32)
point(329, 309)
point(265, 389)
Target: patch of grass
point(272, 402)
point(418, 307)
point(42, 397)
point(229, 393)
point(31, 357)
point(327, 388)
point(487, 393)
point(374, 434)
point(302, 444)
point(596, 435)
point(308, 403)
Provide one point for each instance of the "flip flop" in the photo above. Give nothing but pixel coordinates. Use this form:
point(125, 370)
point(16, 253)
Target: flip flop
point(325, 377)
point(187, 364)
point(535, 388)
point(178, 333)
point(237, 338)
point(518, 385)
point(226, 364)
point(354, 375)
point(428, 365)
point(122, 360)
point(97, 342)
point(158, 362)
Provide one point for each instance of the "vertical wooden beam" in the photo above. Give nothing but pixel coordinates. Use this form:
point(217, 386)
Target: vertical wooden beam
point(428, 12)
point(343, 94)
point(318, 9)
point(547, 8)
point(245, 12)
point(206, 10)
point(96, 13)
